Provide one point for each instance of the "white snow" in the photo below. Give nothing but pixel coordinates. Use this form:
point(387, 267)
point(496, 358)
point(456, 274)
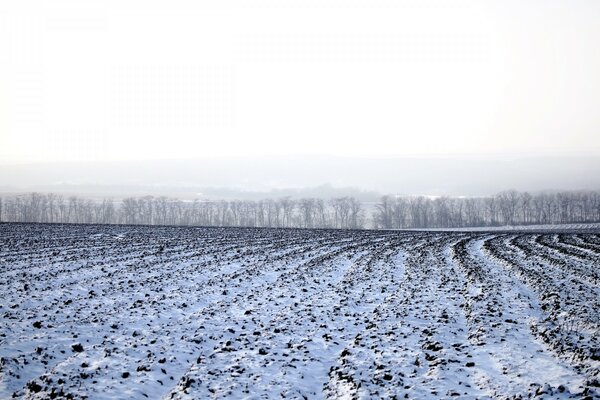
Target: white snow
point(165, 312)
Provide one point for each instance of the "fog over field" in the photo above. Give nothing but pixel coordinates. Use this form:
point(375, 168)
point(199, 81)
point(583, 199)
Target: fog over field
point(248, 177)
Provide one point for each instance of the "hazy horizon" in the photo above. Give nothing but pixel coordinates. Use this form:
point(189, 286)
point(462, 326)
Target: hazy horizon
point(317, 176)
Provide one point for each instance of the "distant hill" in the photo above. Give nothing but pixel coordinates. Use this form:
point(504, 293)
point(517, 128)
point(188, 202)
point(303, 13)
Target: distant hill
point(308, 176)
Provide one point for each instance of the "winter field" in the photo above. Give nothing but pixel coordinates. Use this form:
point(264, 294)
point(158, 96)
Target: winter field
point(165, 312)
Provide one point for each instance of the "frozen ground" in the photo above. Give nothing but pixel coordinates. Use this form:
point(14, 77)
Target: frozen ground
point(164, 312)
point(592, 227)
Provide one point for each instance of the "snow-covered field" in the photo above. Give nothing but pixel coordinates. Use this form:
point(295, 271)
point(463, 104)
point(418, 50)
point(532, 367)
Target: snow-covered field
point(166, 312)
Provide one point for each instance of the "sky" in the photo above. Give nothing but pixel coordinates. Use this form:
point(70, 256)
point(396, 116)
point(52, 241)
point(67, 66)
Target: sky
point(84, 81)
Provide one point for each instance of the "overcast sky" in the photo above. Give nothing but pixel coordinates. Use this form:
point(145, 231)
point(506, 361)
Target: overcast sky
point(142, 80)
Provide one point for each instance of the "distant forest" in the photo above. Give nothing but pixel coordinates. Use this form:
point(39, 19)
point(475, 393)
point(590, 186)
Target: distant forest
point(391, 212)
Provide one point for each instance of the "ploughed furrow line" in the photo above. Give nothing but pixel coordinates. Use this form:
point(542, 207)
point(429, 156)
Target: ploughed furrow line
point(568, 321)
point(218, 297)
point(106, 282)
point(162, 310)
point(560, 243)
point(559, 288)
point(415, 344)
point(189, 307)
point(580, 263)
point(83, 250)
point(572, 276)
point(592, 240)
point(578, 242)
point(301, 320)
point(93, 238)
point(575, 246)
point(508, 360)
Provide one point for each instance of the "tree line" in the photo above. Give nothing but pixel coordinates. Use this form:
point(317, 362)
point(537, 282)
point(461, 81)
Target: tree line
point(341, 213)
point(391, 212)
point(506, 208)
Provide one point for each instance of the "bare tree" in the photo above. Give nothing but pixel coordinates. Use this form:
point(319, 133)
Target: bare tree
point(356, 217)
point(525, 206)
point(507, 203)
point(307, 210)
point(384, 213)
